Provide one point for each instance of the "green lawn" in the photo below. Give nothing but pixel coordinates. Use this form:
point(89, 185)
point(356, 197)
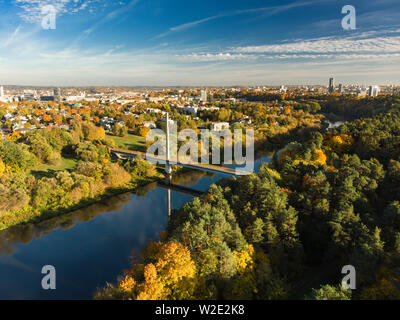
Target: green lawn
point(47, 170)
point(130, 142)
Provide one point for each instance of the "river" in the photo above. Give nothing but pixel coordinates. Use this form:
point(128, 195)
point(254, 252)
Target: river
point(91, 246)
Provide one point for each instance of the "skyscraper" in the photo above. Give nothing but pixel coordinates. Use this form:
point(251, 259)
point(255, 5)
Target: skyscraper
point(1, 92)
point(331, 85)
point(373, 91)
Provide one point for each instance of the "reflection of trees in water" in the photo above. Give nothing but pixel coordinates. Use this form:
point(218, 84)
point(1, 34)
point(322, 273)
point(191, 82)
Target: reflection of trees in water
point(26, 233)
point(189, 177)
point(143, 190)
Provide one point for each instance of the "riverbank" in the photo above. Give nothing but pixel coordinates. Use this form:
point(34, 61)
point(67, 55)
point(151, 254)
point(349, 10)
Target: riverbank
point(30, 215)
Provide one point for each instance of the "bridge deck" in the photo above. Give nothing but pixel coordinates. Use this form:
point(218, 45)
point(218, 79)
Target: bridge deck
point(198, 166)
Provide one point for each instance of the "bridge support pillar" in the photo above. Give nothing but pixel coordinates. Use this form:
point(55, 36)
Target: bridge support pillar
point(169, 203)
point(168, 173)
point(168, 168)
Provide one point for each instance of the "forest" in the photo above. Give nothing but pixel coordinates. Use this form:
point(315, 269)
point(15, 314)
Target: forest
point(286, 231)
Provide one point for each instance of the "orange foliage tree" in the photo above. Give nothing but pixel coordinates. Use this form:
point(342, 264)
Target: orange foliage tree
point(169, 274)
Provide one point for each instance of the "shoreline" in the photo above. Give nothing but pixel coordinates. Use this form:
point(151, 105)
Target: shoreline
point(47, 215)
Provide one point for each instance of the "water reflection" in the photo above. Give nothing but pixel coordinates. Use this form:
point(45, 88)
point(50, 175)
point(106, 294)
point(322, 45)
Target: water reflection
point(26, 233)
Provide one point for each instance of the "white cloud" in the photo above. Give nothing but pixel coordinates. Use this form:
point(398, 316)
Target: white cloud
point(214, 57)
point(388, 44)
point(361, 46)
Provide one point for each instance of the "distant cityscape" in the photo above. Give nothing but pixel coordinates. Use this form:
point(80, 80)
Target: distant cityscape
point(9, 94)
point(188, 101)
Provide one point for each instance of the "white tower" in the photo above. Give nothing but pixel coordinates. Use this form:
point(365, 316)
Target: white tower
point(1, 92)
point(168, 167)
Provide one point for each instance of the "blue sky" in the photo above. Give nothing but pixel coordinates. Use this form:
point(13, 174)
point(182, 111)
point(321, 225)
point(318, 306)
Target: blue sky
point(199, 42)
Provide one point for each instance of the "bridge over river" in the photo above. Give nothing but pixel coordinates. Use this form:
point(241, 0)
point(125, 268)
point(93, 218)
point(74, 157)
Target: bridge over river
point(122, 153)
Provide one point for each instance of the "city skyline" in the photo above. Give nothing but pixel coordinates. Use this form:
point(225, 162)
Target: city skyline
point(159, 43)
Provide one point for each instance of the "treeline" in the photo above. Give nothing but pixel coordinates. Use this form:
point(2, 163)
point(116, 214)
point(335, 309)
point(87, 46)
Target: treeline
point(350, 107)
point(287, 231)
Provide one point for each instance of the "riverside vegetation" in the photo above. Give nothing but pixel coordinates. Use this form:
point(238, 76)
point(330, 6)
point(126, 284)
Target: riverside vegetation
point(31, 190)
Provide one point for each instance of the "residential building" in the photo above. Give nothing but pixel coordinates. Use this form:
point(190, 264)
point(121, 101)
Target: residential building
point(219, 126)
point(29, 95)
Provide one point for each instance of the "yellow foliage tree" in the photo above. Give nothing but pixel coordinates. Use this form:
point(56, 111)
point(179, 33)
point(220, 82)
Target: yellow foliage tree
point(177, 270)
point(244, 286)
point(170, 275)
point(14, 136)
point(142, 131)
point(2, 168)
point(318, 158)
point(341, 143)
point(152, 288)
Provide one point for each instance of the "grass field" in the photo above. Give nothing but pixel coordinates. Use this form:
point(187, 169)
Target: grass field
point(47, 170)
point(130, 142)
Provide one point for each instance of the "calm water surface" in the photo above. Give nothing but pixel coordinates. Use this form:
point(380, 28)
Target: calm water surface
point(91, 246)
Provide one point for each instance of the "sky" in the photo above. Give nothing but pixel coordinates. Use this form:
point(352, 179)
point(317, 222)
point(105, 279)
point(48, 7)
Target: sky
point(198, 42)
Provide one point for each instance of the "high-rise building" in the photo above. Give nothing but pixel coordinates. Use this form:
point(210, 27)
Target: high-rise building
point(1, 92)
point(331, 85)
point(57, 94)
point(340, 89)
point(373, 91)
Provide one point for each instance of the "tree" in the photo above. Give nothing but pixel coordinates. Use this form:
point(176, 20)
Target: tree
point(16, 156)
point(143, 131)
point(91, 132)
point(12, 199)
point(328, 292)
point(2, 168)
point(14, 136)
point(170, 273)
point(119, 130)
point(87, 151)
point(139, 167)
